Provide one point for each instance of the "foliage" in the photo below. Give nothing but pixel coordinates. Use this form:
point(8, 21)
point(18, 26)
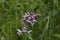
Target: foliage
point(47, 27)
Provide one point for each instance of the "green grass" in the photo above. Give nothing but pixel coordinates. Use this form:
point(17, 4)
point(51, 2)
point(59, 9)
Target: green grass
point(47, 27)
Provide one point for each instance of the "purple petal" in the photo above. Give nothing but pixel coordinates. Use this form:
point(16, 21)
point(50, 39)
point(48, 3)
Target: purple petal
point(33, 17)
point(29, 18)
point(24, 29)
point(28, 21)
point(34, 21)
point(19, 32)
point(27, 14)
point(24, 18)
point(29, 31)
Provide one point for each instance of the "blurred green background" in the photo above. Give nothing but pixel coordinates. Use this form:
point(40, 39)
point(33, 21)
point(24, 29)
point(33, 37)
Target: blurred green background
point(47, 27)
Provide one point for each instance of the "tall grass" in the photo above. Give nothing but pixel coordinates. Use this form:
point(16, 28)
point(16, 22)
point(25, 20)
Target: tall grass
point(47, 27)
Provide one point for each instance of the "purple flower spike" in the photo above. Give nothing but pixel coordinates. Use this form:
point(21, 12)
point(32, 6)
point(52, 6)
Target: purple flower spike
point(19, 32)
point(29, 18)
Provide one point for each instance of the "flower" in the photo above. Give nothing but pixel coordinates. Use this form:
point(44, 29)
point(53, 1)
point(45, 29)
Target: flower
point(19, 32)
point(24, 29)
point(32, 22)
point(29, 18)
point(29, 32)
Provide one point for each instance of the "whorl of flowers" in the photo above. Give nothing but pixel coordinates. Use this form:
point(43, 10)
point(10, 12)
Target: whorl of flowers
point(19, 32)
point(28, 18)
